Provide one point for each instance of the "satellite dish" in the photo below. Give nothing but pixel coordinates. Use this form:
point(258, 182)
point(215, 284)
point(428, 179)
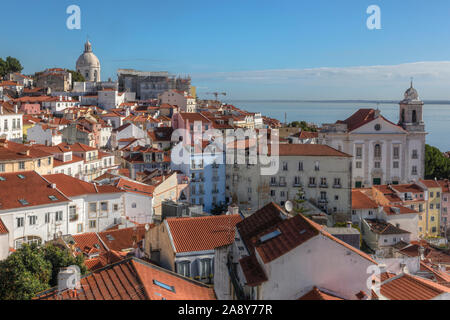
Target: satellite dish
point(147, 227)
point(288, 206)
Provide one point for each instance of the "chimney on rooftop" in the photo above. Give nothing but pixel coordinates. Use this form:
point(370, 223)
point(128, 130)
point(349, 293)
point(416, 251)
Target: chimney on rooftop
point(349, 224)
point(16, 108)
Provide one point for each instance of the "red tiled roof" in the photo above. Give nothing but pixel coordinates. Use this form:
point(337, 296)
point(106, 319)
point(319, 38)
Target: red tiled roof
point(73, 187)
point(258, 222)
point(104, 259)
point(362, 201)
point(381, 227)
point(316, 150)
point(390, 211)
point(16, 151)
point(88, 242)
point(134, 279)
point(135, 187)
point(202, 233)
point(34, 189)
point(409, 287)
point(122, 239)
point(430, 183)
point(360, 118)
point(3, 229)
point(253, 272)
point(316, 294)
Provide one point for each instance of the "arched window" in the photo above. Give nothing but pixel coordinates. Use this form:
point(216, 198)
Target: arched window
point(403, 115)
point(377, 151)
point(28, 240)
point(414, 116)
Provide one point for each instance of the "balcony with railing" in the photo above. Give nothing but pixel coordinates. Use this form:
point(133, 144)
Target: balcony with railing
point(323, 200)
point(215, 191)
point(337, 186)
point(297, 184)
point(323, 185)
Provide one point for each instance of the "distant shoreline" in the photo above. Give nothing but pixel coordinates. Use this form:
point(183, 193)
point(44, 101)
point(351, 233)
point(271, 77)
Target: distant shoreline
point(446, 102)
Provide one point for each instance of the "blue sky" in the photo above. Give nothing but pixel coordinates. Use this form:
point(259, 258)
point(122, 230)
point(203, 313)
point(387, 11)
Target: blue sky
point(250, 49)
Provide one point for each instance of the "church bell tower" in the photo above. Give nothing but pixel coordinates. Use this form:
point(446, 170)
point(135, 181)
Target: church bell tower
point(411, 111)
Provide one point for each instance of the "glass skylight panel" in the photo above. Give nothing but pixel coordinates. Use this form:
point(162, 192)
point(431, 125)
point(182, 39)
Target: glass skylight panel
point(163, 285)
point(23, 202)
point(270, 235)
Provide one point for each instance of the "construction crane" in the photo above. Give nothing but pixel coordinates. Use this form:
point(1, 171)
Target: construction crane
point(216, 94)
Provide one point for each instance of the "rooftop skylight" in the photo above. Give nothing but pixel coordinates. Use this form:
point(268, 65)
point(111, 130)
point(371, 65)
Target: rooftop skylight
point(270, 236)
point(163, 285)
point(23, 202)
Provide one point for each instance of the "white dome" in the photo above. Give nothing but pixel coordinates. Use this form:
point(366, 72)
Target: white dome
point(88, 58)
point(411, 94)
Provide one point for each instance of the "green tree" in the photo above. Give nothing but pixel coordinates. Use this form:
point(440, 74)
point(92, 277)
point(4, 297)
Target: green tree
point(302, 125)
point(13, 65)
point(436, 164)
point(3, 68)
point(32, 269)
point(76, 76)
point(10, 65)
point(23, 274)
point(60, 258)
point(300, 199)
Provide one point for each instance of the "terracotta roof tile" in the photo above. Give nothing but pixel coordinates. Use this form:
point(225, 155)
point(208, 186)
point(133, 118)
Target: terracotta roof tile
point(88, 241)
point(316, 150)
point(134, 279)
point(381, 227)
point(73, 187)
point(33, 188)
point(202, 233)
point(123, 239)
point(316, 294)
point(3, 229)
point(361, 201)
point(409, 287)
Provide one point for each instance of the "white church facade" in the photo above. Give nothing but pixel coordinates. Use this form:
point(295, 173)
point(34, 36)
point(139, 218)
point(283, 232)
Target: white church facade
point(383, 152)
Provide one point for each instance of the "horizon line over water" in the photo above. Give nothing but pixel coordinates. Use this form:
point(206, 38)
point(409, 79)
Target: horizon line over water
point(443, 102)
point(436, 115)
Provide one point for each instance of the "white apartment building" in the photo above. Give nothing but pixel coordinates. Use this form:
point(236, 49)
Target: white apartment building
point(182, 99)
point(32, 209)
point(92, 208)
point(57, 105)
point(11, 122)
point(323, 173)
point(79, 160)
